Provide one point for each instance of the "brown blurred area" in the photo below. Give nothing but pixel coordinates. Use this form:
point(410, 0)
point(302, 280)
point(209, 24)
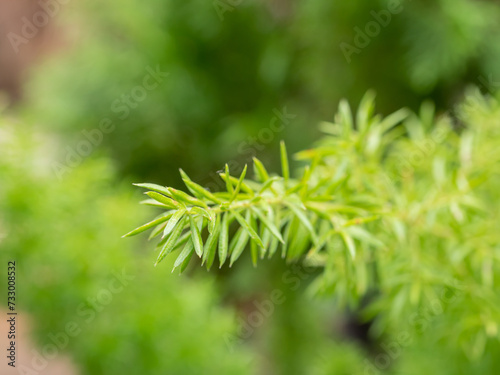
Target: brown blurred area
point(14, 16)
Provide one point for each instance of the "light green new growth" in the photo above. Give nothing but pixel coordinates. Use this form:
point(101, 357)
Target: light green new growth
point(402, 206)
point(302, 215)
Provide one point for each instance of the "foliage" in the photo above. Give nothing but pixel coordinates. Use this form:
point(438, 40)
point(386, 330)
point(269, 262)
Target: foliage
point(226, 76)
point(65, 239)
point(398, 223)
point(401, 210)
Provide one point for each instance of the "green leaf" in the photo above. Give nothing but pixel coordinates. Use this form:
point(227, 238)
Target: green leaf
point(226, 177)
point(268, 184)
point(274, 241)
point(301, 215)
point(234, 240)
point(251, 231)
point(182, 197)
point(349, 242)
point(394, 119)
point(254, 248)
point(173, 221)
point(172, 240)
point(259, 170)
point(273, 247)
point(186, 251)
point(234, 181)
point(284, 162)
point(238, 185)
point(196, 236)
point(185, 263)
point(286, 235)
point(266, 236)
point(346, 120)
point(155, 232)
point(365, 111)
point(198, 190)
point(223, 239)
point(201, 211)
point(151, 224)
point(360, 220)
point(299, 238)
point(182, 240)
point(155, 187)
point(168, 202)
point(154, 203)
point(213, 221)
point(302, 185)
point(269, 224)
point(239, 246)
point(211, 244)
point(254, 251)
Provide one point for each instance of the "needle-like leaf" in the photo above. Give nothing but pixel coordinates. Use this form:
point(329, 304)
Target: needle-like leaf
point(172, 240)
point(146, 226)
point(246, 225)
point(226, 177)
point(259, 170)
point(269, 224)
point(155, 187)
point(182, 197)
point(211, 245)
point(301, 215)
point(223, 239)
point(240, 244)
point(349, 242)
point(196, 236)
point(173, 221)
point(238, 185)
point(186, 252)
point(197, 190)
point(168, 202)
point(285, 169)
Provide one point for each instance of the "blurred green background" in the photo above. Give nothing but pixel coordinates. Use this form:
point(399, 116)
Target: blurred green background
point(110, 93)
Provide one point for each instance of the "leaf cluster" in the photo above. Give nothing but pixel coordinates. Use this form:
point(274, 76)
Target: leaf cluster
point(404, 208)
point(268, 214)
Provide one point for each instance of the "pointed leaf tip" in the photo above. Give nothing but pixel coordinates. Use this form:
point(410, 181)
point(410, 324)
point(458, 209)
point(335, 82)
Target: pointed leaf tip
point(285, 169)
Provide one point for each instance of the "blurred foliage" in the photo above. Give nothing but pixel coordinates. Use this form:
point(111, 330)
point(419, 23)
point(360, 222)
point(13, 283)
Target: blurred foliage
point(229, 70)
point(65, 238)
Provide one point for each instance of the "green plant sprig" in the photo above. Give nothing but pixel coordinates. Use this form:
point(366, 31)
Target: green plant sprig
point(266, 212)
point(403, 206)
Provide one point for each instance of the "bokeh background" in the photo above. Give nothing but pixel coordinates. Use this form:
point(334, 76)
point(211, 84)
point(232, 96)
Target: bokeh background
point(194, 84)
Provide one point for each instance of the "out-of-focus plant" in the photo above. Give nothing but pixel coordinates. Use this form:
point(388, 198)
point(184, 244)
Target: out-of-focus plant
point(213, 97)
point(226, 76)
point(73, 268)
point(401, 209)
